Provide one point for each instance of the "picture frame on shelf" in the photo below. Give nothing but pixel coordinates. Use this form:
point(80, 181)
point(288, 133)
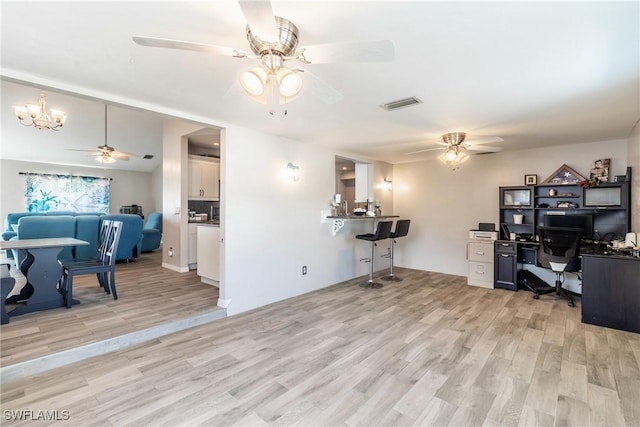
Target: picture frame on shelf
point(564, 175)
point(600, 170)
point(530, 179)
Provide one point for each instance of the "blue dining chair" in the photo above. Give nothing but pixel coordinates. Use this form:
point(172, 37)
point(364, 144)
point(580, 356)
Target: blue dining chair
point(103, 267)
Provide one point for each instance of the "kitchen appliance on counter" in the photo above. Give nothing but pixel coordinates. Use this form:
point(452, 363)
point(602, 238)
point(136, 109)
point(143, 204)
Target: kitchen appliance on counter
point(199, 217)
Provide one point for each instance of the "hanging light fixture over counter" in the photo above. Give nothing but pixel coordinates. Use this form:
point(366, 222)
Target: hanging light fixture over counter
point(39, 117)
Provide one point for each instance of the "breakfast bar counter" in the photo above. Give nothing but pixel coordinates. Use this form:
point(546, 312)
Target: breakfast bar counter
point(339, 220)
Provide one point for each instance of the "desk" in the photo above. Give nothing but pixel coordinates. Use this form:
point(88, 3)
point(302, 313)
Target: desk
point(611, 291)
point(42, 270)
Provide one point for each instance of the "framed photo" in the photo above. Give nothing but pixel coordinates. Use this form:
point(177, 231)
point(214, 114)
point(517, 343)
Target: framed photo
point(530, 179)
point(564, 176)
point(600, 170)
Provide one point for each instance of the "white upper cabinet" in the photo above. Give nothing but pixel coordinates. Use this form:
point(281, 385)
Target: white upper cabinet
point(204, 179)
point(364, 182)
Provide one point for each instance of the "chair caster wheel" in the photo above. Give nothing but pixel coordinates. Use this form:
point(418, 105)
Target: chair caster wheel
point(536, 296)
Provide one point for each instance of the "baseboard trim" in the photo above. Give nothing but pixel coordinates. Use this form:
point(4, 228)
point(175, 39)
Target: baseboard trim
point(175, 268)
point(224, 303)
point(42, 364)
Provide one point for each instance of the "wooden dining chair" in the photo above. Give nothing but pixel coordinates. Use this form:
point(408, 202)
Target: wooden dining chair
point(103, 267)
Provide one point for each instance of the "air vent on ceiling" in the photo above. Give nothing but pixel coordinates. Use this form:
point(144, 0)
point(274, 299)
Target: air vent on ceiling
point(148, 156)
point(394, 105)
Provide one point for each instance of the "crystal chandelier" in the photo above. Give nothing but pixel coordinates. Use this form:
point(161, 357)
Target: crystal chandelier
point(38, 115)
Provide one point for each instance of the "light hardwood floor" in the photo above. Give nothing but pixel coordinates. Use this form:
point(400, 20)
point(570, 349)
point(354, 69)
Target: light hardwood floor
point(148, 295)
point(425, 351)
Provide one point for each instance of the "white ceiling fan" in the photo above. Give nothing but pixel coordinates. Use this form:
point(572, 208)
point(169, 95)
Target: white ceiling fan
point(455, 146)
point(274, 40)
point(105, 153)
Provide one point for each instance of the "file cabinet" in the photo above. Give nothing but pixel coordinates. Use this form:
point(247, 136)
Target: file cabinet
point(480, 257)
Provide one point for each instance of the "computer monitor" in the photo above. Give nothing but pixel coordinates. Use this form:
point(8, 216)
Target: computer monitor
point(571, 221)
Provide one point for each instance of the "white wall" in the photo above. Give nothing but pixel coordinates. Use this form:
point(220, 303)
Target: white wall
point(174, 193)
point(156, 190)
point(272, 226)
point(445, 204)
point(127, 187)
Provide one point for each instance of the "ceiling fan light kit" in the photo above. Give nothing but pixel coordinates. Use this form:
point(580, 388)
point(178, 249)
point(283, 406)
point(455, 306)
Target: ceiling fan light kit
point(283, 84)
point(105, 158)
point(456, 148)
point(274, 40)
point(38, 115)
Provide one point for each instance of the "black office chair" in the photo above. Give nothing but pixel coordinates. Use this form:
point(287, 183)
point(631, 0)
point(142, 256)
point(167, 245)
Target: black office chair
point(402, 229)
point(559, 247)
point(383, 231)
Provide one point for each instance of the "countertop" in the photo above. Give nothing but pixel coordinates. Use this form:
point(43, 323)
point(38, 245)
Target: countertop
point(206, 223)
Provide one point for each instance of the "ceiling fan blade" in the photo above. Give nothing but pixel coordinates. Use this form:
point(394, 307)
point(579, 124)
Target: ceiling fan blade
point(483, 140)
point(85, 151)
point(119, 155)
point(425, 150)
point(375, 51)
point(260, 18)
point(321, 89)
point(484, 148)
point(184, 45)
point(124, 153)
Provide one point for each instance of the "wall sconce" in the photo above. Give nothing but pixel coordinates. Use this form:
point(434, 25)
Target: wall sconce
point(388, 184)
point(294, 171)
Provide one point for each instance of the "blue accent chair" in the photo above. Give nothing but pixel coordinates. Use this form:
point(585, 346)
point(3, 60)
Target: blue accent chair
point(152, 232)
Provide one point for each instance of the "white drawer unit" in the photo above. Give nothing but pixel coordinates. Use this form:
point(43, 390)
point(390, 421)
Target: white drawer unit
point(480, 257)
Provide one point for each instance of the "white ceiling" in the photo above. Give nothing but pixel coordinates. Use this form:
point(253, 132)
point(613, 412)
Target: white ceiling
point(533, 73)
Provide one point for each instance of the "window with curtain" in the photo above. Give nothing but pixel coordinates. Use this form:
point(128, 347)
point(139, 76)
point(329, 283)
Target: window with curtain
point(48, 192)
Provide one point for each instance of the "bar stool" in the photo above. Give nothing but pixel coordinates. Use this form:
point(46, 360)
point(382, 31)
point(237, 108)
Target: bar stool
point(402, 229)
point(383, 231)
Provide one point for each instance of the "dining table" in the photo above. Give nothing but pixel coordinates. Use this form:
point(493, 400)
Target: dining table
point(43, 272)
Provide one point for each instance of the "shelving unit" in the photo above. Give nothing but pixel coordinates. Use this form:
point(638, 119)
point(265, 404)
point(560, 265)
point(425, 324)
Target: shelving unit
point(608, 204)
point(516, 201)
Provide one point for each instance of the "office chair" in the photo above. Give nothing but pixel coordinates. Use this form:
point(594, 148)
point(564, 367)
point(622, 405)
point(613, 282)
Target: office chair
point(559, 252)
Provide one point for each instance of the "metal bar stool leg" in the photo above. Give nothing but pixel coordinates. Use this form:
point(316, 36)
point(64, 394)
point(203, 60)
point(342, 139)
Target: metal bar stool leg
point(402, 229)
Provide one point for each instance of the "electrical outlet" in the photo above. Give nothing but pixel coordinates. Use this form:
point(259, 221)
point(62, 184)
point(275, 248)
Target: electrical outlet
point(304, 270)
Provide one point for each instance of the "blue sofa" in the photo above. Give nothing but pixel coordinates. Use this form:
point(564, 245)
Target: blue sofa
point(26, 225)
point(152, 232)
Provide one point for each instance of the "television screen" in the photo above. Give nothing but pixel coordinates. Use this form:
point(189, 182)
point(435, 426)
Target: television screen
point(571, 221)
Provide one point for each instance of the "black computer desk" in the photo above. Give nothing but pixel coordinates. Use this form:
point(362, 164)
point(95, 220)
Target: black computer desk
point(610, 281)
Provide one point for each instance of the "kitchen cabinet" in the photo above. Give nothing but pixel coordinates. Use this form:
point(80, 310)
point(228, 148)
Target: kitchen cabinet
point(204, 179)
point(209, 254)
point(506, 265)
point(480, 254)
point(193, 245)
point(364, 182)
